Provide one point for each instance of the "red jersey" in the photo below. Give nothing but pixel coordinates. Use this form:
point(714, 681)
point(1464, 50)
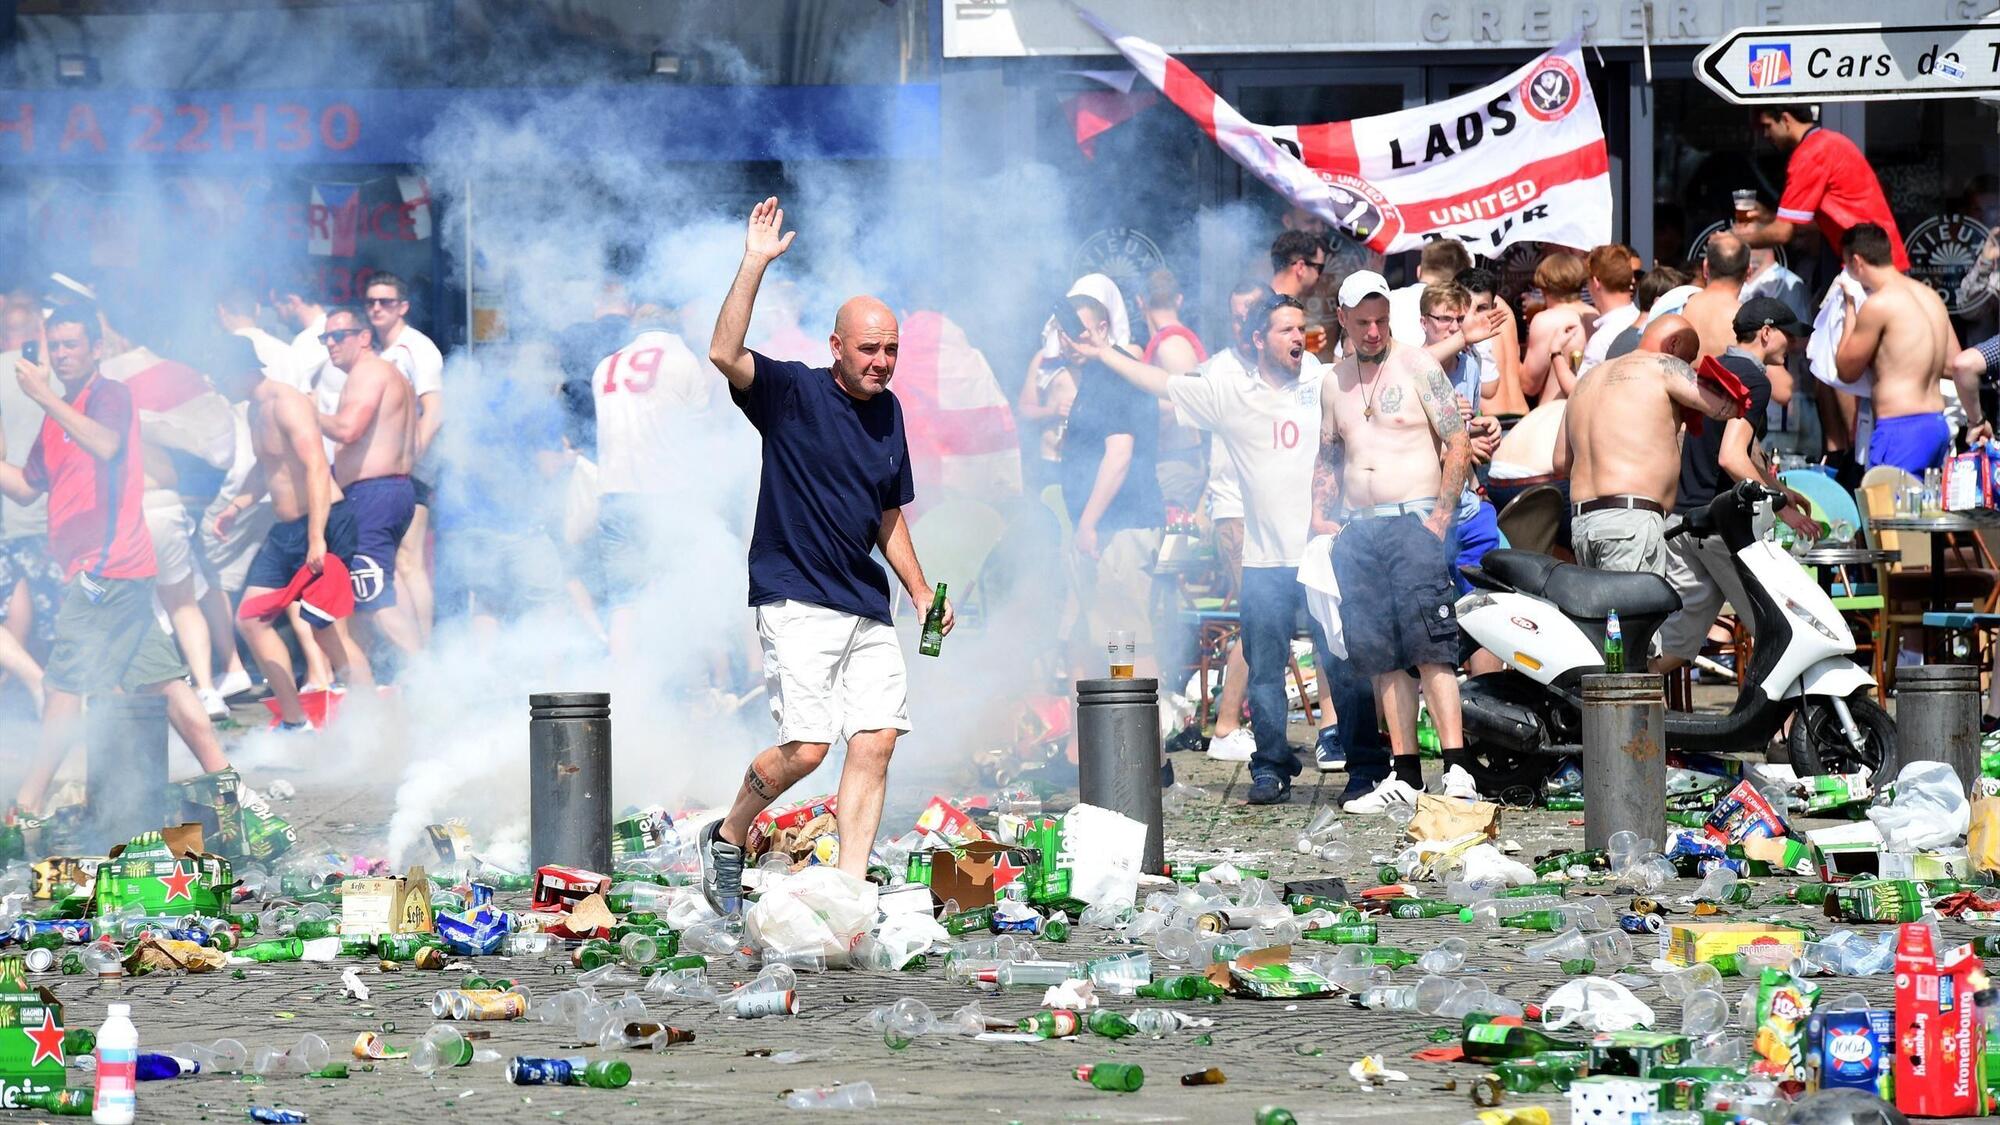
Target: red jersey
point(96, 522)
point(1829, 182)
point(1169, 332)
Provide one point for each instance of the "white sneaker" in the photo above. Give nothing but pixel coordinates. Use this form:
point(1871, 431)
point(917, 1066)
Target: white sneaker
point(1391, 791)
point(213, 703)
point(234, 683)
point(1458, 782)
point(1236, 746)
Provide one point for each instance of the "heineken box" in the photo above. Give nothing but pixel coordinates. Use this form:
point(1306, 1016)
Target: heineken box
point(386, 906)
point(167, 872)
point(31, 1035)
point(641, 832)
point(975, 874)
point(1049, 882)
point(237, 823)
point(1637, 1053)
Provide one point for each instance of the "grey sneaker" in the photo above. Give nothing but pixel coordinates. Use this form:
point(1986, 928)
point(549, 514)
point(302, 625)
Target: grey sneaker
point(721, 872)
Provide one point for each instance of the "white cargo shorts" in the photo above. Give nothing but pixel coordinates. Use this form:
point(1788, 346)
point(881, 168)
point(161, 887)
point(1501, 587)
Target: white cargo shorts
point(831, 674)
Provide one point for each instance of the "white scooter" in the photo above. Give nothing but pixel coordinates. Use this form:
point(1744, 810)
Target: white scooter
point(1545, 620)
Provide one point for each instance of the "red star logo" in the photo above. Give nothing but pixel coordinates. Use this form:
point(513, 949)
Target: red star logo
point(48, 1039)
point(177, 884)
point(1005, 870)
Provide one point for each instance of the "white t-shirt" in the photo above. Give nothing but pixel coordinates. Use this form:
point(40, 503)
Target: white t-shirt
point(1608, 327)
point(418, 359)
point(21, 421)
point(652, 397)
point(1406, 314)
point(1272, 436)
point(1225, 492)
point(313, 367)
point(1674, 300)
point(274, 354)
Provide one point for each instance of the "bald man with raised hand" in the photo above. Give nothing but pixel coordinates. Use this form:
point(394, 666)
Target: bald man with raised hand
point(835, 478)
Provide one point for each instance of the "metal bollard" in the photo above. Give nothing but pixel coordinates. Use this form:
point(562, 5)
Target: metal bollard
point(1624, 758)
point(127, 745)
point(569, 779)
point(1937, 717)
point(1118, 755)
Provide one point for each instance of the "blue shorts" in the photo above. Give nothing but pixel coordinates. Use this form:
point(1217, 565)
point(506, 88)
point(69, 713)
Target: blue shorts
point(383, 508)
point(1912, 443)
point(284, 550)
point(1469, 541)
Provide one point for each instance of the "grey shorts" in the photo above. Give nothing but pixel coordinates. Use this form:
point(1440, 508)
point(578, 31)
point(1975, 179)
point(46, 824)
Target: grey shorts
point(1396, 595)
point(1703, 573)
point(1620, 539)
point(109, 640)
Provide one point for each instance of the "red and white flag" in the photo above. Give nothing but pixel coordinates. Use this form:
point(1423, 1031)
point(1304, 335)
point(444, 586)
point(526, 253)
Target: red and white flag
point(959, 420)
point(1521, 160)
point(333, 220)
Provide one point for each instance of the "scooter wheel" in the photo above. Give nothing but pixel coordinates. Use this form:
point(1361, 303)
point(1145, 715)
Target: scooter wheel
point(1819, 746)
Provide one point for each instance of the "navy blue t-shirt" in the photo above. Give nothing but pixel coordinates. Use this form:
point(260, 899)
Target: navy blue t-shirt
point(832, 465)
point(1105, 405)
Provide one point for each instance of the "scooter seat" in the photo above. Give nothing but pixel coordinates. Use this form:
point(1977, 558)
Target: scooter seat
point(1580, 591)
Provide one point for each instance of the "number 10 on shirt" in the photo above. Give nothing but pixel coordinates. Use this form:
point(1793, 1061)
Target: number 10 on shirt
point(1284, 434)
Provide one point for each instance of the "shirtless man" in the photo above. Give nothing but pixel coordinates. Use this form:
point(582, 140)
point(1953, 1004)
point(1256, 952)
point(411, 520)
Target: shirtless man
point(1393, 460)
point(1713, 310)
point(375, 427)
point(312, 521)
point(1903, 332)
point(1620, 444)
point(1556, 336)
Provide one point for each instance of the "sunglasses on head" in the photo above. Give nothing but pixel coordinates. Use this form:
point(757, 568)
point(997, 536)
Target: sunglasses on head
point(336, 335)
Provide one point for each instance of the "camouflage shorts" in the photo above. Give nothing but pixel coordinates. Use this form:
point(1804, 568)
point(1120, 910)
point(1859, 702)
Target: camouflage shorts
point(26, 559)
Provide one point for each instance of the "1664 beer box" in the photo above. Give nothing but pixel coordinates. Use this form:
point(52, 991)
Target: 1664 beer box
point(386, 906)
point(31, 1035)
point(164, 873)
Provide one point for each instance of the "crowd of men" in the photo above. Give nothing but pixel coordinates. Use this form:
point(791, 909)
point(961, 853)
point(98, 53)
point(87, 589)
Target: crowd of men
point(1434, 403)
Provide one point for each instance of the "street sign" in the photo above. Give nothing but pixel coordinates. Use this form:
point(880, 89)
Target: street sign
point(1852, 63)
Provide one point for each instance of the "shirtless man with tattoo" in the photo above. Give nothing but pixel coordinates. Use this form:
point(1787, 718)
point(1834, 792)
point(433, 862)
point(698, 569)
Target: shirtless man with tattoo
point(1620, 443)
point(1393, 460)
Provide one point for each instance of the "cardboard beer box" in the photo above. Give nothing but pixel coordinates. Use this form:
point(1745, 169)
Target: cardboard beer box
point(1049, 882)
point(451, 842)
point(371, 907)
point(77, 872)
point(1637, 1053)
point(1741, 815)
point(772, 820)
point(164, 873)
point(236, 823)
point(1938, 1033)
point(1691, 942)
point(559, 888)
point(31, 1035)
point(1969, 479)
point(975, 874)
point(641, 832)
point(949, 821)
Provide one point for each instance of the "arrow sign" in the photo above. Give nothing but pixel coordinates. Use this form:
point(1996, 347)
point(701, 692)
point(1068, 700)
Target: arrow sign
point(1852, 63)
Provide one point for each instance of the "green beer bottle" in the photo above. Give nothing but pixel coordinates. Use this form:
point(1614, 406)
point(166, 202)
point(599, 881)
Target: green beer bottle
point(1550, 1068)
point(1123, 1077)
point(79, 1041)
point(284, 949)
point(1180, 988)
point(402, 947)
point(969, 921)
point(1532, 889)
point(1541, 921)
point(1421, 908)
point(1360, 934)
point(317, 928)
point(1596, 861)
point(1614, 645)
point(1987, 946)
point(1579, 966)
point(1056, 930)
point(1110, 1024)
point(1052, 1023)
point(60, 1103)
point(1490, 1042)
point(607, 1074)
point(676, 964)
point(932, 640)
point(1275, 1115)
point(1567, 802)
point(1393, 958)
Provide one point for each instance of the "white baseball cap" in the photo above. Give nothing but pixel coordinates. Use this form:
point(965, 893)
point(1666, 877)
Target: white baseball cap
point(1359, 286)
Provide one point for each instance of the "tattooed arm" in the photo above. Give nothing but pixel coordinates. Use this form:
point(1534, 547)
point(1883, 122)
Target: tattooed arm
point(1685, 390)
point(1326, 470)
point(1440, 402)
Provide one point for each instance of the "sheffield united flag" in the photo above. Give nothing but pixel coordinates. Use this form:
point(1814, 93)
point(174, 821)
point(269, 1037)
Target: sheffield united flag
point(1520, 160)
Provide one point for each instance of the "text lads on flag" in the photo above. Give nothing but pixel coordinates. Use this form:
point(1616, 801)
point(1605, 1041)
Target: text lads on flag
point(1520, 160)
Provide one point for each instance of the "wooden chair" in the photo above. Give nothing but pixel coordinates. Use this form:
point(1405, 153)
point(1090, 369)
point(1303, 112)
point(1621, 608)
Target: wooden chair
point(1906, 589)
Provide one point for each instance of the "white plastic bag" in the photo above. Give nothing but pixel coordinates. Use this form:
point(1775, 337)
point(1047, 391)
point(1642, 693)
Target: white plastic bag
point(1323, 592)
point(1595, 1004)
point(820, 909)
point(1929, 810)
point(1103, 850)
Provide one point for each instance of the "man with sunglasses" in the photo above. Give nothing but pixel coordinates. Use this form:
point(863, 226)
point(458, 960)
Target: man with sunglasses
point(376, 429)
point(1297, 261)
point(386, 298)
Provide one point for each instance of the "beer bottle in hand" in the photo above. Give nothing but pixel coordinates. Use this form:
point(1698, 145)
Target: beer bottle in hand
point(933, 638)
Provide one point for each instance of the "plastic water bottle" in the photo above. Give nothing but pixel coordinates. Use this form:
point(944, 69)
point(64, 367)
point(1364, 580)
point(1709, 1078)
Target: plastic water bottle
point(115, 1099)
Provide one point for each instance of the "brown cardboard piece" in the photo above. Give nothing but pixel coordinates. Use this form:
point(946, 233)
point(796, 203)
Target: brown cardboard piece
point(966, 873)
point(1982, 843)
point(1447, 818)
point(590, 918)
point(391, 905)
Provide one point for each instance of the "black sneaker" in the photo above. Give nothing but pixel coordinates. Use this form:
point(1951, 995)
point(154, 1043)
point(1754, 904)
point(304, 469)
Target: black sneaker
point(1166, 775)
point(1269, 791)
point(721, 871)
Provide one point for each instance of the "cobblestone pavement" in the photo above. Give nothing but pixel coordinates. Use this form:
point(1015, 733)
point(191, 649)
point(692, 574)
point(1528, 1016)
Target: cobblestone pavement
point(1294, 1054)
